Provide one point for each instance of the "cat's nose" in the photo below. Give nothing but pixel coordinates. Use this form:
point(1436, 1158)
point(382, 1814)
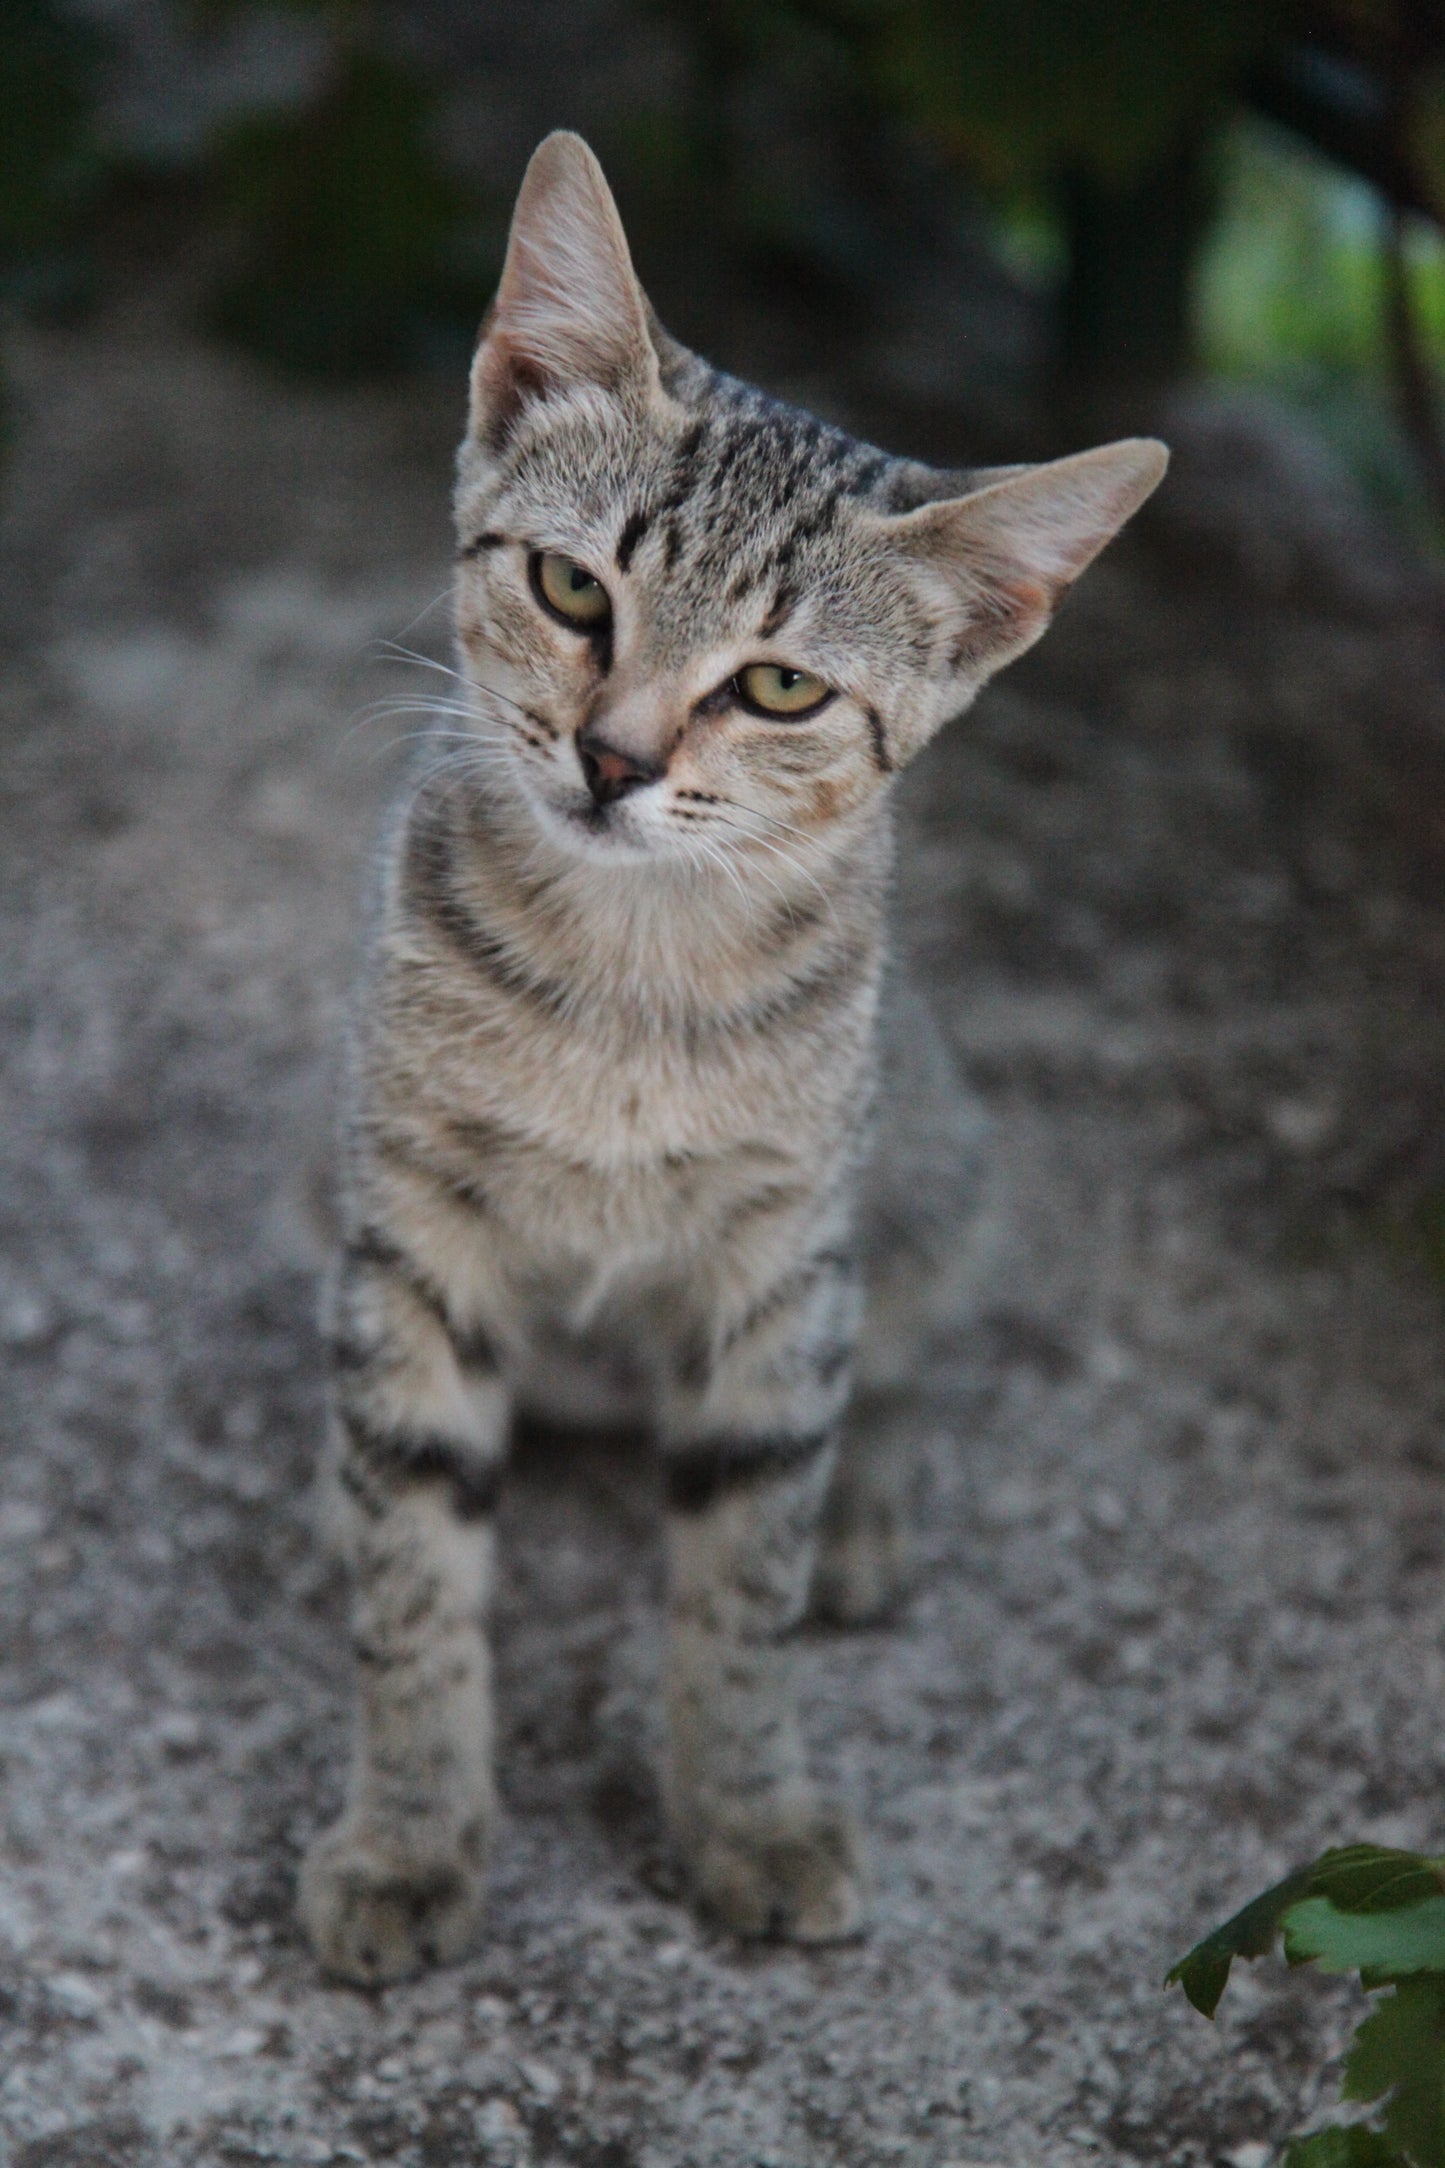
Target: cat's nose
point(610, 774)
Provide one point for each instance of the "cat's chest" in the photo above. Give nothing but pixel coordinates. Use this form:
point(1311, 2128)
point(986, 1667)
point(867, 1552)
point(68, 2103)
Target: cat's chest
point(659, 1104)
point(602, 1085)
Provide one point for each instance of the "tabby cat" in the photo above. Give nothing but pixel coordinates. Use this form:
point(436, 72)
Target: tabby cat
point(617, 1144)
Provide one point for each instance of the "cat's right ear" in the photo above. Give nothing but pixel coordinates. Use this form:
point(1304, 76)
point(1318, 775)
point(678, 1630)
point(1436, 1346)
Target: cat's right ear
point(569, 309)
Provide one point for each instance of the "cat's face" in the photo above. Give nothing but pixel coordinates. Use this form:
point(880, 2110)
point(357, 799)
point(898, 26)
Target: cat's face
point(698, 624)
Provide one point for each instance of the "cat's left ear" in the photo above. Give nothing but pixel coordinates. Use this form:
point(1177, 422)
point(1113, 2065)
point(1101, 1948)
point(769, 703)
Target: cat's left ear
point(999, 559)
point(569, 309)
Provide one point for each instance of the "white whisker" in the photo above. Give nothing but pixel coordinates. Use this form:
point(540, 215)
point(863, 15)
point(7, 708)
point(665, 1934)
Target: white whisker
point(718, 858)
point(788, 858)
point(427, 609)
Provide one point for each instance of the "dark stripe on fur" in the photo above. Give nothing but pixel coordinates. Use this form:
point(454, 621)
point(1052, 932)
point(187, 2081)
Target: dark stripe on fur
point(471, 1344)
point(631, 535)
point(429, 888)
point(793, 1283)
point(698, 1475)
point(682, 464)
point(464, 1187)
point(475, 1350)
point(780, 612)
point(813, 523)
point(402, 1457)
point(861, 482)
point(835, 981)
point(878, 740)
point(482, 542)
point(369, 1247)
point(683, 473)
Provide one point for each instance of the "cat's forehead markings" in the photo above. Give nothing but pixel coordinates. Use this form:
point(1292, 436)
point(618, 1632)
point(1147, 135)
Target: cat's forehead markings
point(782, 608)
point(634, 528)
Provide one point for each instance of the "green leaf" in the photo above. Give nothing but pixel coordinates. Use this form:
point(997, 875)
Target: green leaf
point(1382, 1945)
point(1203, 1974)
point(1374, 1878)
point(1343, 2147)
point(1400, 2050)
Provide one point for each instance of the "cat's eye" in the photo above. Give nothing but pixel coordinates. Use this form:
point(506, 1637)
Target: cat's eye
point(771, 688)
point(570, 592)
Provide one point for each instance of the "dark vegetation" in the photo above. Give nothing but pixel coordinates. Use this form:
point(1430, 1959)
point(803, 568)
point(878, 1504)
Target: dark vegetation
point(1381, 1913)
point(840, 147)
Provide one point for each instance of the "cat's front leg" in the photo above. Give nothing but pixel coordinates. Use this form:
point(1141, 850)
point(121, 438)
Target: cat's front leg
point(748, 1458)
point(399, 1881)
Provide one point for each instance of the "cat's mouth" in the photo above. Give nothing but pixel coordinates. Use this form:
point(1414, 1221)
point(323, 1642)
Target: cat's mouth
point(595, 819)
point(597, 831)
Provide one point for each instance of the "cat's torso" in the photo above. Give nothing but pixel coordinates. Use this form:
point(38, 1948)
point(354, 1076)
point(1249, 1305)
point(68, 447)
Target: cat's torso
point(602, 1163)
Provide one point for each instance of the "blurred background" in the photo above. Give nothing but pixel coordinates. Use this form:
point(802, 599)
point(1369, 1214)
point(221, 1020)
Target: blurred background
point(1177, 884)
point(1052, 209)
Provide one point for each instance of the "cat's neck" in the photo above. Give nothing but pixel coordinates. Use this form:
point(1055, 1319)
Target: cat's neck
point(669, 939)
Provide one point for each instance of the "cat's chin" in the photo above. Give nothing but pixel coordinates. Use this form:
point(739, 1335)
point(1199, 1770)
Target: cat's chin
point(601, 834)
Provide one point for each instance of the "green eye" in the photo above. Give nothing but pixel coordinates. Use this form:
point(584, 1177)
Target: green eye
point(570, 592)
point(773, 689)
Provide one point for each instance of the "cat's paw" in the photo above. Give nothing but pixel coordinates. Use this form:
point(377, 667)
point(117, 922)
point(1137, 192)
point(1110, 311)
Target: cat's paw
point(861, 1575)
point(793, 1873)
point(375, 1909)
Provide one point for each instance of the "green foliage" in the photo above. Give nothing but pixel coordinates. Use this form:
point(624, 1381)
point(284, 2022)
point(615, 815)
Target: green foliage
point(1289, 295)
point(1251, 1932)
point(48, 161)
point(1289, 283)
point(1424, 131)
point(360, 251)
point(1379, 1946)
point(1019, 88)
point(1400, 2053)
point(1379, 1912)
point(1352, 2145)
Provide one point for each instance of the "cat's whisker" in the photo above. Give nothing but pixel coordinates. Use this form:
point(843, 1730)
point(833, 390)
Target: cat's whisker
point(393, 651)
point(442, 595)
point(414, 737)
point(761, 871)
point(424, 705)
point(719, 859)
point(380, 711)
point(788, 858)
point(481, 759)
point(472, 685)
point(475, 762)
point(758, 813)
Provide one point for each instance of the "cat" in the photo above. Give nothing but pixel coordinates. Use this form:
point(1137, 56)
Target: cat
point(616, 1143)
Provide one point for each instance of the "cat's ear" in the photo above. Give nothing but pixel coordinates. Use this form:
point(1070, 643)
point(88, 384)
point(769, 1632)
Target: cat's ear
point(1005, 553)
point(569, 309)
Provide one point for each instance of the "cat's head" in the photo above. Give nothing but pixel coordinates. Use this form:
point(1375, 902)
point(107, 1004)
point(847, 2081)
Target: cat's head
point(695, 620)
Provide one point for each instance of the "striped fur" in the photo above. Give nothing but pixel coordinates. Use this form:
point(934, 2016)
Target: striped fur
point(617, 1142)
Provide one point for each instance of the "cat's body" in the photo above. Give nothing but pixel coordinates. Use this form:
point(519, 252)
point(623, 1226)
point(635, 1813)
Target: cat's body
point(618, 1145)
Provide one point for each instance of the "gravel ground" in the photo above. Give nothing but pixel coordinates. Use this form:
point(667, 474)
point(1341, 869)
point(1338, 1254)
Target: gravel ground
point(1178, 1615)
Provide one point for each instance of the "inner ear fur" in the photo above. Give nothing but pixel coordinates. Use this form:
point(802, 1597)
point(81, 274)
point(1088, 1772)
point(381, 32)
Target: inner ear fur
point(568, 309)
point(1009, 549)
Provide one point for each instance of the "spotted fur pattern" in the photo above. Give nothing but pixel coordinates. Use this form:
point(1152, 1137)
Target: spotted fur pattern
point(617, 1142)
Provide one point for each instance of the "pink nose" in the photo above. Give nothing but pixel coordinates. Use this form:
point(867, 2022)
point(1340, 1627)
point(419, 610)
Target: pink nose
point(610, 774)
